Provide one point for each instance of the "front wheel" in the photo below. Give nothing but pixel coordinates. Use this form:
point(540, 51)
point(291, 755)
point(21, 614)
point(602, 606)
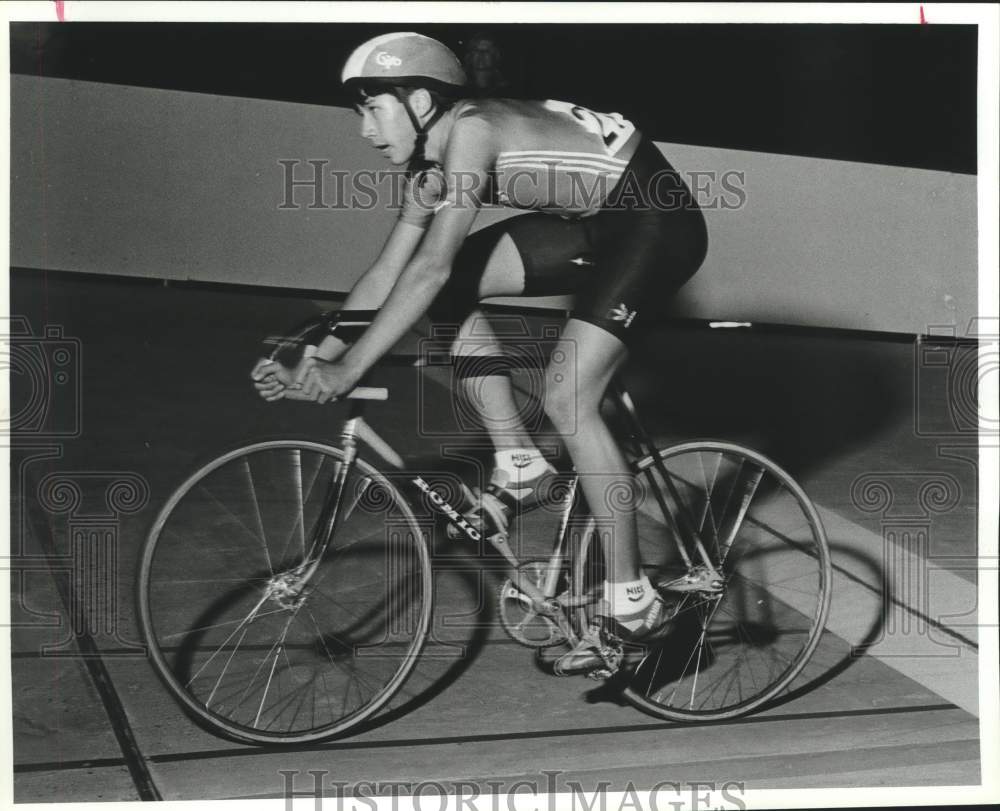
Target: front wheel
point(262, 633)
point(708, 508)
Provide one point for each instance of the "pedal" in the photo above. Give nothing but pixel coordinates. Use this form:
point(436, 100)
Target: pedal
point(578, 663)
point(594, 656)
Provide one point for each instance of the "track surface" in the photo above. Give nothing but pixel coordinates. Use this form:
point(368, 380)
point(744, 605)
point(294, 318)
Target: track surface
point(163, 384)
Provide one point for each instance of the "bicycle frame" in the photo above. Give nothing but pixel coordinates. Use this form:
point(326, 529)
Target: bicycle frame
point(643, 446)
point(356, 429)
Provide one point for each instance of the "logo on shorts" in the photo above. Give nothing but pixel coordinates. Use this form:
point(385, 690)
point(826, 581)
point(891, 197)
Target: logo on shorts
point(635, 593)
point(387, 60)
point(622, 313)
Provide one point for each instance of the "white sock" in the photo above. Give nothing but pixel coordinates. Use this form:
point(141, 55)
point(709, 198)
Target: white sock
point(629, 598)
point(521, 464)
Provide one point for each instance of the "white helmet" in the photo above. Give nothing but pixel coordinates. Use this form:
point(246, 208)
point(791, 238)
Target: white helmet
point(404, 59)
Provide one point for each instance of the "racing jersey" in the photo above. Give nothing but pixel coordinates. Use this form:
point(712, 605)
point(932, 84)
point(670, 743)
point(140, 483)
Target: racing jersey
point(550, 156)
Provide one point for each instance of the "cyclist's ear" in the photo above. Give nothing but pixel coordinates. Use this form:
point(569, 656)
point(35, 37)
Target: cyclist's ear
point(421, 102)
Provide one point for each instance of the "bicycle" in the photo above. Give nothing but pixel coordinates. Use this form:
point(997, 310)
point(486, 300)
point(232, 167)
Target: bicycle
point(285, 587)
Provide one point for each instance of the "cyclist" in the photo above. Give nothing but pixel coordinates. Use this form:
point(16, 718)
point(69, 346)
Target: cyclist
point(611, 222)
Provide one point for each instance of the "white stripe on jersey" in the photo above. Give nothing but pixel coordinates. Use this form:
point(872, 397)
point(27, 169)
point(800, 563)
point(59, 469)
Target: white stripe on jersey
point(563, 167)
point(594, 155)
point(560, 166)
point(558, 163)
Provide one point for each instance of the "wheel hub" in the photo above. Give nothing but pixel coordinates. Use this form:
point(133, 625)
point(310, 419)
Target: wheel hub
point(287, 590)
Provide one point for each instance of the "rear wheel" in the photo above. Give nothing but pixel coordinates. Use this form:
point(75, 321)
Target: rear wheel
point(736, 644)
point(250, 636)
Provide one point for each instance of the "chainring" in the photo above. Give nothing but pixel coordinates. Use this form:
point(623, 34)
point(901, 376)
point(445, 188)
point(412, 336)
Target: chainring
point(522, 622)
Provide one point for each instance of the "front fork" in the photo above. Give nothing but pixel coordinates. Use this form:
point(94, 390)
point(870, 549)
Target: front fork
point(291, 585)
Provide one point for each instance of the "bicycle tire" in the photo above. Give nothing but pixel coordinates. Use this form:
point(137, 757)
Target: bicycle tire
point(777, 610)
point(348, 641)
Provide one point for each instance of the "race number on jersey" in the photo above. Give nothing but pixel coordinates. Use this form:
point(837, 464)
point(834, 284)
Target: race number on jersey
point(610, 127)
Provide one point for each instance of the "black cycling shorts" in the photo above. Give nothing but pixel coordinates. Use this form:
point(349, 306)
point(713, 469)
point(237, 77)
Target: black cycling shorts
point(623, 264)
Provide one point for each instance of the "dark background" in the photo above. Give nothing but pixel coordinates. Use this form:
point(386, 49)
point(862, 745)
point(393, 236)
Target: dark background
point(901, 95)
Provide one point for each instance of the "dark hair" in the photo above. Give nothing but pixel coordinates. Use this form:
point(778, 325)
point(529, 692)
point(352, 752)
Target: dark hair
point(440, 99)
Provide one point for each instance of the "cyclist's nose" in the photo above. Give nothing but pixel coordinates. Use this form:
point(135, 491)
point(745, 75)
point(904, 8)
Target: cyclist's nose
point(367, 126)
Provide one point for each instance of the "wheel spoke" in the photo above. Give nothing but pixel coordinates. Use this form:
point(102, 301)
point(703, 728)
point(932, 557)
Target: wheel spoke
point(351, 672)
point(708, 480)
point(267, 687)
point(684, 504)
point(277, 648)
point(262, 534)
point(245, 621)
point(367, 482)
point(222, 673)
point(252, 533)
point(215, 626)
point(656, 669)
point(299, 527)
point(745, 502)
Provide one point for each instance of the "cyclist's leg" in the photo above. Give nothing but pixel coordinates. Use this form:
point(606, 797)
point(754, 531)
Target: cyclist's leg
point(484, 382)
point(489, 264)
point(643, 254)
point(574, 391)
point(534, 255)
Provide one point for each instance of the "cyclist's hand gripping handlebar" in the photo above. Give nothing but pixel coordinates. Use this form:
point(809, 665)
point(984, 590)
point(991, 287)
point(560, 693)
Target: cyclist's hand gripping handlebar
point(287, 350)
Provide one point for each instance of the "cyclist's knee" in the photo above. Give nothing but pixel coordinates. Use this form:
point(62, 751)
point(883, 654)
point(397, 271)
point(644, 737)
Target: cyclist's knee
point(566, 405)
point(558, 401)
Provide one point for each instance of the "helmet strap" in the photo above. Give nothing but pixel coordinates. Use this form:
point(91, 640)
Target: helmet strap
point(418, 161)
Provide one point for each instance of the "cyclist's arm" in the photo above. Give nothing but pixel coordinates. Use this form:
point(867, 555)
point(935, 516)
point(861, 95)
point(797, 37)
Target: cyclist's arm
point(271, 378)
point(370, 291)
point(469, 156)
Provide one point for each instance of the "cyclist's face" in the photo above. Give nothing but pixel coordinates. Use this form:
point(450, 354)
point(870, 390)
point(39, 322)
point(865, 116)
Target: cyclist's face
point(385, 123)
